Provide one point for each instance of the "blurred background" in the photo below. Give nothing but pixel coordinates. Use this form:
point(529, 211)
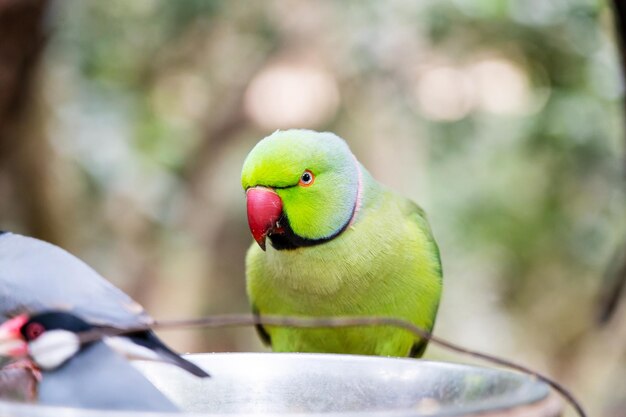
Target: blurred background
point(124, 125)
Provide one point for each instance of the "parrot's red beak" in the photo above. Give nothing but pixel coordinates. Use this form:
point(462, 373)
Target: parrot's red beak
point(264, 209)
point(12, 343)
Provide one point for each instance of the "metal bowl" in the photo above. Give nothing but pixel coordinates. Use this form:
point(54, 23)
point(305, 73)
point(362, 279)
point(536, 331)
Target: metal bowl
point(330, 385)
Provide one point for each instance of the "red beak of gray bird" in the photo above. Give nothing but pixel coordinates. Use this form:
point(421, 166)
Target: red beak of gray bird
point(331, 241)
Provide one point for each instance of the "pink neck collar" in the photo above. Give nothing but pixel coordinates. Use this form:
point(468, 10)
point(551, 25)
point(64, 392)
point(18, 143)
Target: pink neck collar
point(359, 191)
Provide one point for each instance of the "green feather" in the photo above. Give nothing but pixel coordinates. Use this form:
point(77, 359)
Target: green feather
point(385, 263)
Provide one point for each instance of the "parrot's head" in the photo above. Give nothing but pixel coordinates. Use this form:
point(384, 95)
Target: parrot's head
point(302, 188)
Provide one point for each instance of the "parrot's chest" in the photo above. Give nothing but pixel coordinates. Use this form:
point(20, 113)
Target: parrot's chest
point(314, 273)
point(326, 279)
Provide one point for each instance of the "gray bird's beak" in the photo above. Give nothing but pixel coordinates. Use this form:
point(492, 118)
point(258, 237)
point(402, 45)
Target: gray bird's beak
point(12, 344)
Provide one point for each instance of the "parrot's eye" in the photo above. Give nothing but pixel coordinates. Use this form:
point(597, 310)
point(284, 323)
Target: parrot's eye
point(34, 330)
point(306, 178)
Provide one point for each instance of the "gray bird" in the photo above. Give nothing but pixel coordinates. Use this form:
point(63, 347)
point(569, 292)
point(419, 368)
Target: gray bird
point(76, 373)
point(37, 276)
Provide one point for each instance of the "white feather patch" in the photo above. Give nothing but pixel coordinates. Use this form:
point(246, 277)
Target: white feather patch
point(53, 348)
point(130, 350)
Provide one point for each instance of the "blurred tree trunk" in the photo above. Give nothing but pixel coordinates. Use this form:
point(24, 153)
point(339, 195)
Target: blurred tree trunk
point(25, 156)
point(615, 282)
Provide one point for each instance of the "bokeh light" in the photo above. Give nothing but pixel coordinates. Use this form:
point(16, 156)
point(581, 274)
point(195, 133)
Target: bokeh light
point(290, 94)
point(501, 87)
point(445, 93)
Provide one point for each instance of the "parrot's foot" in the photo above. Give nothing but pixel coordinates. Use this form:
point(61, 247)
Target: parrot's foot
point(19, 380)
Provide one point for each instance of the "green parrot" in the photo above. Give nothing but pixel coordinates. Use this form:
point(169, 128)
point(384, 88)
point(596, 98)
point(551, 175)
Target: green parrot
point(340, 244)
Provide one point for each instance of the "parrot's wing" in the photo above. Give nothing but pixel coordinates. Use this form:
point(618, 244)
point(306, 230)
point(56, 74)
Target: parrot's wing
point(99, 378)
point(418, 217)
point(263, 334)
point(37, 276)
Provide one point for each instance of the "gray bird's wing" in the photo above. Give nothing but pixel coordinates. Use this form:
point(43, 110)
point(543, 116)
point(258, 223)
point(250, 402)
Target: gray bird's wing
point(99, 378)
point(36, 276)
